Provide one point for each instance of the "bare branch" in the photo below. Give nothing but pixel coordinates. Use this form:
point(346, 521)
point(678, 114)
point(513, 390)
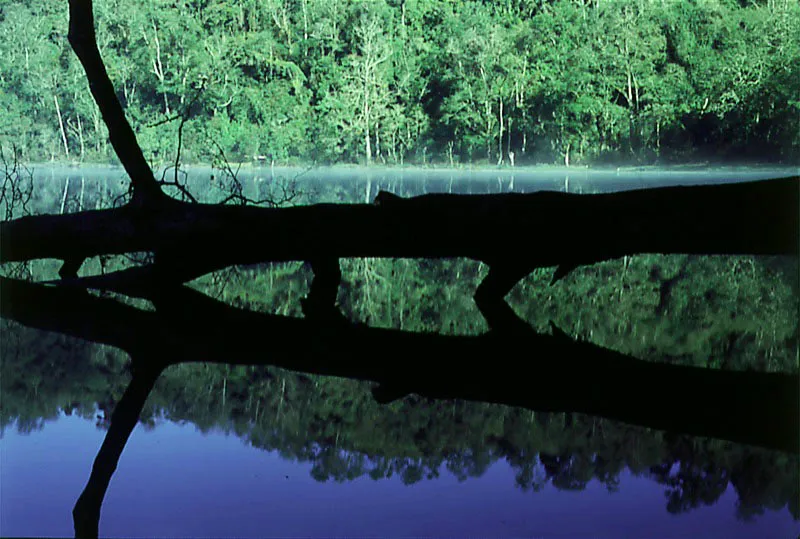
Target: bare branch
point(288, 190)
point(15, 193)
point(17, 188)
point(176, 183)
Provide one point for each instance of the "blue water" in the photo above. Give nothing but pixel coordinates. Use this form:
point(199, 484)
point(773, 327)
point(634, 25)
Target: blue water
point(174, 481)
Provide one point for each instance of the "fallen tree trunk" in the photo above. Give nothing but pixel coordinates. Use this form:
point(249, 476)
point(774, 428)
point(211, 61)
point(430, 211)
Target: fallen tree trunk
point(521, 230)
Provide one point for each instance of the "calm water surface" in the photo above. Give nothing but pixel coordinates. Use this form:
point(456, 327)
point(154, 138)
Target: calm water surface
point(257, 452)
point(174, 481)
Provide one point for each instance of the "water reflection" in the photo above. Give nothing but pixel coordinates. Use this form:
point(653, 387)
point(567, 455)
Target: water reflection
point(724, 314)
point(339, 433)
point(224, 488)
point(89, 188)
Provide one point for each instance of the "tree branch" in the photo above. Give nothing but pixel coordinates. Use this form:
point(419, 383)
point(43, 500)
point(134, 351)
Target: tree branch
point(84, 42)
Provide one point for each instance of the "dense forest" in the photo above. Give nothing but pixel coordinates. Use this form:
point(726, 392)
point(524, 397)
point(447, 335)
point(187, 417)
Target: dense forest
point(413, 81)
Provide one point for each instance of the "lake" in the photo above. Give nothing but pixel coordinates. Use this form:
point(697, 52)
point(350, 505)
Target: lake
point(98, 186)
point(254, 451)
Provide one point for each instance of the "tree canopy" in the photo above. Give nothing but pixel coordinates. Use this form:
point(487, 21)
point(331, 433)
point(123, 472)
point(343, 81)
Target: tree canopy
point(389, 81)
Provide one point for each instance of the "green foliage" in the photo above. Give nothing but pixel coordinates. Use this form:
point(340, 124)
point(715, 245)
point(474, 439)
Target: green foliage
point(720, 312)
point(415, 81)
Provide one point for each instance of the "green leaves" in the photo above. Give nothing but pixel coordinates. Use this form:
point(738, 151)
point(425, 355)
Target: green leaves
point(366, 81)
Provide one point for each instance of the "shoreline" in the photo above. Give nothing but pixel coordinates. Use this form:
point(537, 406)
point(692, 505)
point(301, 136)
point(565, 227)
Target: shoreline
point(699, 167)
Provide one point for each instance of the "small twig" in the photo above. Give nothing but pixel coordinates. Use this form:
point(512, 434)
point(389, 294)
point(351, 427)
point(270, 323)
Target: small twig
point(289, 191)
point(180, 186)
point(159, 123)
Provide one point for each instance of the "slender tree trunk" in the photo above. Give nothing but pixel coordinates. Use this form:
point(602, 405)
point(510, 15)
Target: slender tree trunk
point(450, 152)
point(508, 142)
point(80, 134)
point(658, 137)
point(500, 137)
point(61, 126)
point(367, 145)
point(378, 143)
point(158, 68)
point(97, 134)
point(488, 135)
point(305, 25)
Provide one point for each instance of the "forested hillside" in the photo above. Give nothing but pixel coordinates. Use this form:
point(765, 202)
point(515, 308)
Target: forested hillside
point(422, 81)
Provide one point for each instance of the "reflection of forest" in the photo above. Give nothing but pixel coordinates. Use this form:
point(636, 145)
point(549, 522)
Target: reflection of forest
point(731, 313)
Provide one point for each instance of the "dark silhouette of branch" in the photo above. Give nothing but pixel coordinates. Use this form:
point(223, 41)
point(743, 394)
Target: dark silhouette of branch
point(84, 42)
point(17, 184)
point(233, 186)
point(86, 513)
point(176, 183)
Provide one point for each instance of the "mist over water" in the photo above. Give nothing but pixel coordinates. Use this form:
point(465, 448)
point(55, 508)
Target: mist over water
point(361, 184)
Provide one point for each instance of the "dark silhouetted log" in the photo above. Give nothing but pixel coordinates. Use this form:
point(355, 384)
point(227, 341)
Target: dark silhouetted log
point(515, 230)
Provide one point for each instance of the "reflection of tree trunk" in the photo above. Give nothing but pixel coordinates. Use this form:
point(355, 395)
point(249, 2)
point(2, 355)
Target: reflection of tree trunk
point(745, 407)
point(64, 197)
point(665, 288)
point(86, 513)
point(224, 390)
point(283, 397)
